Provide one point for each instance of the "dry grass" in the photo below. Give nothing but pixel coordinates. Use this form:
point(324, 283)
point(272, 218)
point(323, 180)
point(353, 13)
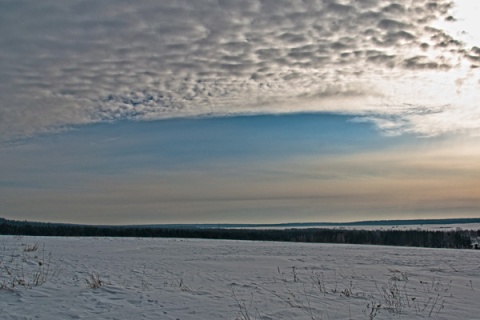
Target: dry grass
point(94, 281)
point(31, 248)
point(26, 268)
point(311, 292)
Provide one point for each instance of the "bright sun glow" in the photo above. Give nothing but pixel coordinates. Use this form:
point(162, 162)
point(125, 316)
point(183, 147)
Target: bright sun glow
point(467, 23)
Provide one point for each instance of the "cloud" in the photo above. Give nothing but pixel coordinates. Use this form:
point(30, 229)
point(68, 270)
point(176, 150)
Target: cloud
point(79, 62)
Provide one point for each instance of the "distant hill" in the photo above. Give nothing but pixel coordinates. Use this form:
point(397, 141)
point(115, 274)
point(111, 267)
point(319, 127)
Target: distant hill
point(315, 224)
point(265, 225)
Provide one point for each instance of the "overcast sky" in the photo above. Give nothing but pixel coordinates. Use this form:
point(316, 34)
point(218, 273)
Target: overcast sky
point(239, 111)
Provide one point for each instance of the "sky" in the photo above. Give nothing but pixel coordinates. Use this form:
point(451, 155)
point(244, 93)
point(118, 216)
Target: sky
point(227, 111)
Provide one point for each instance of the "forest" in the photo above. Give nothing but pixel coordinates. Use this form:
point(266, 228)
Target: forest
point(461, 239)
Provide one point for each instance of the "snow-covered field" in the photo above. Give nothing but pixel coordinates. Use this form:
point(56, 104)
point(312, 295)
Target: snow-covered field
point(426, 227)
point(126, 278)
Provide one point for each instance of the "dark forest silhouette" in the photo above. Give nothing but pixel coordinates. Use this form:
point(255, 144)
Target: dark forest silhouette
point(413, 238)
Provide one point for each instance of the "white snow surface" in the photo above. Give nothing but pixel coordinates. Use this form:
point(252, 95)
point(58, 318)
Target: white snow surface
point(427, 227)
point(157, 278)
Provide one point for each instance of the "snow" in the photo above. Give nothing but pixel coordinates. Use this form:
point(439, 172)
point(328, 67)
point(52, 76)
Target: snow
point(140, 278)
point(425, 227)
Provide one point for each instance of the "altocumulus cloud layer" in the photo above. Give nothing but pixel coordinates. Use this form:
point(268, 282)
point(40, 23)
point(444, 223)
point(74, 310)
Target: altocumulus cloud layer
point(395, 63)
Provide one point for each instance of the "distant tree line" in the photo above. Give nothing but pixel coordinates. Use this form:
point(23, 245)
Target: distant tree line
point(411, 238)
